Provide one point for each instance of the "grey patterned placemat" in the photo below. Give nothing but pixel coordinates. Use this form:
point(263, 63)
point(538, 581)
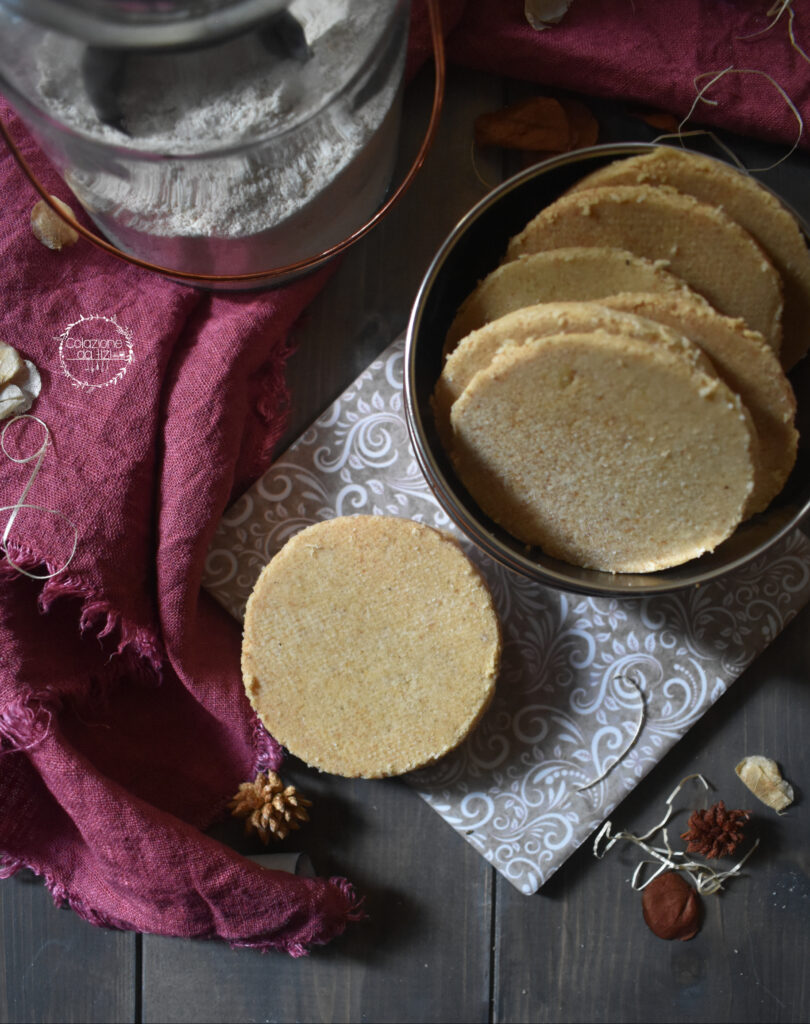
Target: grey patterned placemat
point(580, 675)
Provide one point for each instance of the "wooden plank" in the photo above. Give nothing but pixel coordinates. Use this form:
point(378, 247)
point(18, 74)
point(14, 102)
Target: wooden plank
point(424, 953)
point(55, 967)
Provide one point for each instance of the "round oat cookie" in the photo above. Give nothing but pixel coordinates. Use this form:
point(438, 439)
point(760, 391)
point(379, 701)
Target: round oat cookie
point(745, 200)
point(577, 272)
point(751, 369)
point(606, 451)
point(701, 244)
point(476, 351)
point(371, 646)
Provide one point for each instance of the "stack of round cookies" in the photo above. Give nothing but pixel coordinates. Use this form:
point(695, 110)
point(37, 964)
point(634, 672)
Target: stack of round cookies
point(615, 392)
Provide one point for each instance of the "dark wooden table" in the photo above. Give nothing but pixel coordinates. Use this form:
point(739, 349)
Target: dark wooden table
point(447, 939)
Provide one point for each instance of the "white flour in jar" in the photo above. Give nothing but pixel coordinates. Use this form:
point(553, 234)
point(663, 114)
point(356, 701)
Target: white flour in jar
point(275, 156)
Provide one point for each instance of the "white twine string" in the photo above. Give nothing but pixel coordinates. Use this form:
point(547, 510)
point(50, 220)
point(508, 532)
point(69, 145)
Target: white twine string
point(693, 133)
point(792, 35)
point(715, 76)
point(21, 503)
point(775, 14)
point(630, 744)
point(704, 878)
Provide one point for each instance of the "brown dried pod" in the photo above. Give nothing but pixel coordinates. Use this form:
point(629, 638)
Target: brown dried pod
point(715, 832)
point(672, 909)
point(583, 126)
point(270, 808)
point(659, 119)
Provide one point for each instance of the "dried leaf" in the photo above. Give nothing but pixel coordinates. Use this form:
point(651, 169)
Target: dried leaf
point(658, 119)
point(583, 126)
point(762, 776)
point(583, 130)
point(542, 14)
point(539, 124)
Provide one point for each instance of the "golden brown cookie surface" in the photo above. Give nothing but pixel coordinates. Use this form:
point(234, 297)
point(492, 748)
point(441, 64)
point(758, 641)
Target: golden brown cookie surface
point(559, 275)
point(371, 645)
point(749, 366)
point(747, 202)
point(605, 451)
point(476, 351)
point(701, 244)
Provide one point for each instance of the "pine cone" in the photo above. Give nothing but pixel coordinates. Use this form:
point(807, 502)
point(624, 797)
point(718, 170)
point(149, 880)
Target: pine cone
point(716, 832)
point(269, 807)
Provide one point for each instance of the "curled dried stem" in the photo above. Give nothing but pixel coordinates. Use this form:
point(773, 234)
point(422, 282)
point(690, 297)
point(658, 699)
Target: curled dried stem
point(489, 186)
point(775, 14)
point(715, 76)
point(705, 878)
point(694, 133)
point(631, 743)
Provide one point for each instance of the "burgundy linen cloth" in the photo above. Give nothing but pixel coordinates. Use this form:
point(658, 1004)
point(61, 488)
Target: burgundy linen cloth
point(123, 725)
point(649, 53)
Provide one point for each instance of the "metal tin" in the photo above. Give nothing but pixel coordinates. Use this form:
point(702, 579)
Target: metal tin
point(472, 250)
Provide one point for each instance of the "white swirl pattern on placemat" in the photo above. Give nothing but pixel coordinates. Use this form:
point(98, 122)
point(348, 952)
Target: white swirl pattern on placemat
point(527, 787)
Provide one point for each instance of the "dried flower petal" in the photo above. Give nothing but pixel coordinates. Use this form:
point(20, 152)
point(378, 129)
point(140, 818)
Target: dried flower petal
point(20, 382)
point(762, 776)
point(542, 14)
point(49, 228)
point(12, 401)
point(11, 364)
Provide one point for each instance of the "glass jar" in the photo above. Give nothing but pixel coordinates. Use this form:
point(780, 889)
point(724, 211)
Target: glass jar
point(213, 137)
